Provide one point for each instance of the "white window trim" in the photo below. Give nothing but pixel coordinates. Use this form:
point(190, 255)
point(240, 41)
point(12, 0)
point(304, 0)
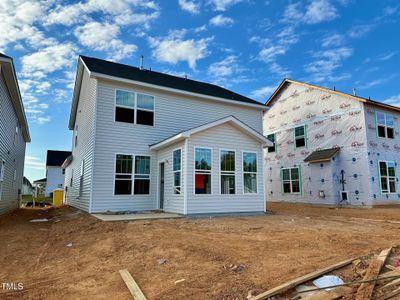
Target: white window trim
point(291, 181)
point(133, 175)
point(257, 185)
point(175, 171)
point(387, 177)
point(200, 171)
point(275, 144)
point(226, 172)
point(384, 125)
point(135, 108)
point(304, 136)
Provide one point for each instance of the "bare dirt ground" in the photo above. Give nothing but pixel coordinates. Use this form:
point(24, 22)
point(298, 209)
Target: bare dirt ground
point(219, 258)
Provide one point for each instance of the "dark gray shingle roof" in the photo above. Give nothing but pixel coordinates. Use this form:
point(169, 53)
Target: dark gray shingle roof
point(321, 155)
point(56, 158)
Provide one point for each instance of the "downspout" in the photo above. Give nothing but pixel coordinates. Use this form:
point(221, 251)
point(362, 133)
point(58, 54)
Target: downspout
point(185, 176)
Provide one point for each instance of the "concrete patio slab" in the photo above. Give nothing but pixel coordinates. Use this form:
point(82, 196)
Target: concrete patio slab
point(138, 216)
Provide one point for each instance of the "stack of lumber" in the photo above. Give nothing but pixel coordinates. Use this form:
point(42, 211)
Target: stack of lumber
point(371, 277)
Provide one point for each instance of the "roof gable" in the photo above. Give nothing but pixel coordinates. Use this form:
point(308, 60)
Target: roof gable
point(285, 81)
point(56, 158)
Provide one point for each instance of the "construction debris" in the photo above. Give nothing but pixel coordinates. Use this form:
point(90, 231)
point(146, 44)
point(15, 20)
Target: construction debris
point(38, 220)
point(133, 287)
point(180, 281)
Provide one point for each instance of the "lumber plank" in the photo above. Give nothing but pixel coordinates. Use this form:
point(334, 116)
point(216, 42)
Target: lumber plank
point(393, 282)
point(336, 293)
point(133, 287)
point(392, 294)
point(295, 282)
point(365, 290)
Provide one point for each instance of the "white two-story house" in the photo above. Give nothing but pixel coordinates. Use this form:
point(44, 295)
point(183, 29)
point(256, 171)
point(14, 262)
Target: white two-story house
point(144, 140)
point(55, 174)
point(331, 147)
point(14, 134)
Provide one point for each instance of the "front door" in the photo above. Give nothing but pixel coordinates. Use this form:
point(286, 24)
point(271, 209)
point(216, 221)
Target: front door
point(162, 171)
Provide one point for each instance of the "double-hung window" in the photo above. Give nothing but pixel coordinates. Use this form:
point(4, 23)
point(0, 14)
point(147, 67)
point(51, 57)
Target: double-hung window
point(142, 175)
point(387, 174)
point(249, 172)
point(300, 136)
point(385, 125)
point(272, 138)
point(135, 108)
point(145, 109)
point(177, 168)
point(202, 171)
point(82, 171)
point(123, 175)
point(227, 159)
point(291, 180)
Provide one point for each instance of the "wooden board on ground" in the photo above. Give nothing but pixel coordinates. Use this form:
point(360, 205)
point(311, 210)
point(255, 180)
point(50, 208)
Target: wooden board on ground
point(295, 282)
point(136, 292)
point(365, 290)
point(333, 294)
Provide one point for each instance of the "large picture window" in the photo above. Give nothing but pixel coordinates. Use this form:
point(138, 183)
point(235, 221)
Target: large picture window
point(249, 172)
point(272, 138)
point(202, 171)
point(227, 159)
point(142, 175)
point(385, 125)
point(125, 107)
point(123, 175)
point(300, 136)
point(387, 174)
point(177, 168)
point(291, 180)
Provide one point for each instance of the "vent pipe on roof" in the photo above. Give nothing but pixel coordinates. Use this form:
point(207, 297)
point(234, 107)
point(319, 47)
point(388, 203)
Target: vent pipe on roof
point(141, 61)
point(334, 88)
point(355, 92)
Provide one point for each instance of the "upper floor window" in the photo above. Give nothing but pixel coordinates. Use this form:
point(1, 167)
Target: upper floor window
point(385, 125)
point(272, 138)
point(249, 172)
point(135, 108)
point(203, 171)
point(177, 167)
point(227, 159)
point(300, 136)
point(387, 174)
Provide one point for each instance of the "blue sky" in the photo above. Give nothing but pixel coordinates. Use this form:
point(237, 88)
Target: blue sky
point(245, 45)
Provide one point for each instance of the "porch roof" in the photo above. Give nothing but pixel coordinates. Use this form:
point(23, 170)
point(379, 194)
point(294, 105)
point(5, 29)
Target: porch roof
point(231, 119)
point(321, 155)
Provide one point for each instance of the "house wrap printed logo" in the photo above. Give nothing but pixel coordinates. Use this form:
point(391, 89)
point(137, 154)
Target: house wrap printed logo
point(12, 286)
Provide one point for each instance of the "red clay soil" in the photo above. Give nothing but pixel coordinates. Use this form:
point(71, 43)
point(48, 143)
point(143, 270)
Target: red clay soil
point(219, 258)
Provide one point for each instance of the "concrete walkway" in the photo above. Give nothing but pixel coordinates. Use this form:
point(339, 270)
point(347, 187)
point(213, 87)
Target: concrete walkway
point(138, 216)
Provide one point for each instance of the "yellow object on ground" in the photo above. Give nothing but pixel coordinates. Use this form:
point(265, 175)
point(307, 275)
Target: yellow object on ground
point(58, 196)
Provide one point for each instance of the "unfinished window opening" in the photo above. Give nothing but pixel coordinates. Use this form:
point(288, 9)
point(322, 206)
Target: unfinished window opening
point(387, 174)
point(227, 159)
point(291, 180)
point(300, 136)
point(272, 138)
point(203, 171)
point(385, 125)
point(142, 175)
point(249, 172)
point(177, 168)
point(123, 175)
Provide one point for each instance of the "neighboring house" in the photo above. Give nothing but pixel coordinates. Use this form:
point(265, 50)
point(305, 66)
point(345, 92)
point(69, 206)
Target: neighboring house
point(331, 147)
point(14, 134)
point(54, 171)
point(27, 187)
point(144, 140)
point(40, 187)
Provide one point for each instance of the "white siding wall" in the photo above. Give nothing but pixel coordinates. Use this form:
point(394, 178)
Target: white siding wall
point(229, 138)
point(331, 120)
point(85, 124)
point(12, 151)
point(172, 202)
point(381, 149)
point(55, 179)
point(173, 114)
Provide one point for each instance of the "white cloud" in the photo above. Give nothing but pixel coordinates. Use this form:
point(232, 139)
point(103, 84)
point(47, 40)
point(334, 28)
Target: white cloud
point(220, 20)
point(394, 100)
point(33, 162)
point(174, 48)
point(189, 6)
point(361, 30)
point(386, 56)
point(222, 5)
point(103, 37)
point(333, 40)
point(269, 54)
point(48, 59)
point(316, 11)
point(263, 93)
